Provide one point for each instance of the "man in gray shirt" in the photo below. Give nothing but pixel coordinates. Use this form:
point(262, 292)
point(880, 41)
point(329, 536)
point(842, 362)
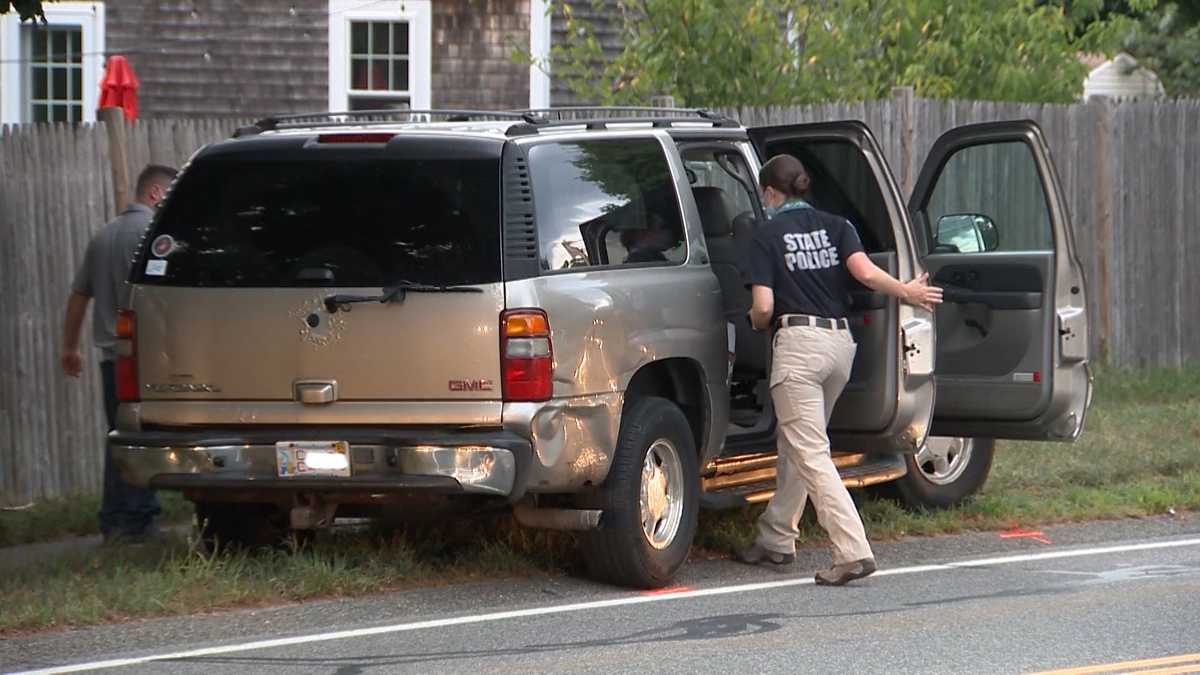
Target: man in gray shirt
point(126, 512)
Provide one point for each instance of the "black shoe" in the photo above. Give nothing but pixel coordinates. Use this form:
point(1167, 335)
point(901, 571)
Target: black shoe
point(840, 575)
point(757, 555)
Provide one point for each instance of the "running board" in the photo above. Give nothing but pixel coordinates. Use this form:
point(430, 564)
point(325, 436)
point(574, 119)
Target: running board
point(750, 479)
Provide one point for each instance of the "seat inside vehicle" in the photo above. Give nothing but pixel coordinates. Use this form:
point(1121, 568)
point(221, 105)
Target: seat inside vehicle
point(728, 237)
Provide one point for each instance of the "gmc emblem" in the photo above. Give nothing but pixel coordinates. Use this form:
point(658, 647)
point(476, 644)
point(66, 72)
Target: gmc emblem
point(470, 385)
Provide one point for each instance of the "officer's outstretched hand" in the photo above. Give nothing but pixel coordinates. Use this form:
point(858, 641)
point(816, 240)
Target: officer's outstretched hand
point(918, 292)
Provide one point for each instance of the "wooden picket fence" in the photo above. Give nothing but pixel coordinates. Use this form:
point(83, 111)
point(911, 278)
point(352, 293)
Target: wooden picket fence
point(1131, 172)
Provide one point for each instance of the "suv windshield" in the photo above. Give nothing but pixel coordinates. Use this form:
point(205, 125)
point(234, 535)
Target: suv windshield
point(328, 221)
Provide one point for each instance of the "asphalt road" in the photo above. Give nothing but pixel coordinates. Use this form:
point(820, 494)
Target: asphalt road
point(1080, 595)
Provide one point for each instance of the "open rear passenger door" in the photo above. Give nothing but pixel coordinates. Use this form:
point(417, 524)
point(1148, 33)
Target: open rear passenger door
point(1012, 336)
point(888, 402)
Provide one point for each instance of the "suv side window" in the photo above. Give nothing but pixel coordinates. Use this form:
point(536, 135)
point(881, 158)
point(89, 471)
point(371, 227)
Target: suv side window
point(606, 203)
point(989, 198)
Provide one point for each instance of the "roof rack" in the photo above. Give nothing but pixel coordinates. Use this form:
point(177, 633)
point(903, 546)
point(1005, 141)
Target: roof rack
point(384, 116)
point(530, 121)
point(600, 117)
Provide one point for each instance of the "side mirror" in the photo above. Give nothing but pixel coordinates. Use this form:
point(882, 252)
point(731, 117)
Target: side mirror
point(966, 233)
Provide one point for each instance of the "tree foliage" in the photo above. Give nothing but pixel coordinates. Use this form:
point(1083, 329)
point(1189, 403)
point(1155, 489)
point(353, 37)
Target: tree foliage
point(28, 10)
point(764, 52)
point(1166, 39)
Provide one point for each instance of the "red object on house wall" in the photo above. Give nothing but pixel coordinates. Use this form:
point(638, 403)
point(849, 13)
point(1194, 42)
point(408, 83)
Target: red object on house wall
point(119, 88)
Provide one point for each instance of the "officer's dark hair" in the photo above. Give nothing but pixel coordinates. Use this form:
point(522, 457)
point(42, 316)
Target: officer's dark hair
point(153, 173)
point(786, 174)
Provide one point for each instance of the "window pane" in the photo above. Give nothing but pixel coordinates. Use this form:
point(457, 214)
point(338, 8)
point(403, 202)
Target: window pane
point(76, 46)
point(400, 38)
point(41, 44)
point(380, 43)
point(605, 203)
point(400, 75)
point(358, 79)
point(76, 113)
point(354, 220)
point(376, 103)
point(379, 75)
point(41, 113)
point(39, 81)
point(58, 113)
point(58, 87)
point(999, 181)
point(358, 37)
point(76, 84)
point(58, 45)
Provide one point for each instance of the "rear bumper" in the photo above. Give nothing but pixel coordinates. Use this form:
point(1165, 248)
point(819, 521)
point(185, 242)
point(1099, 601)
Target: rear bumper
point(381, 460)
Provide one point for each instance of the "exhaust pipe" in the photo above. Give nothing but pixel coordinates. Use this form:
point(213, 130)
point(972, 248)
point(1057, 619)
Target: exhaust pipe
point(556, 519)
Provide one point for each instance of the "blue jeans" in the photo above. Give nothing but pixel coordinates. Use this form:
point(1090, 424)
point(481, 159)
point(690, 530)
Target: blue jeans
point(125, 509)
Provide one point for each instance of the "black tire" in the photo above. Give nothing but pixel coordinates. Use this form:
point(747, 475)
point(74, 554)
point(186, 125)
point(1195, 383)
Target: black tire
point(620, 552)
point(223, 526)
point(917, 491)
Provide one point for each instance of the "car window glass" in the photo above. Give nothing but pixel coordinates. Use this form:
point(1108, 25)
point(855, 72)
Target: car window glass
point(258, 222)
point(604, 203)
point(1001, 183)
point(844, 183)
point(704, 170)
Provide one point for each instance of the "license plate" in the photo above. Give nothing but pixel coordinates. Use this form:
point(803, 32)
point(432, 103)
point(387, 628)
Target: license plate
point(312, 458)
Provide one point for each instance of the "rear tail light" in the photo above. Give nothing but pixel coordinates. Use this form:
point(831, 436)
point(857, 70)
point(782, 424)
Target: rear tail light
point(527, 357)
point(127, 370)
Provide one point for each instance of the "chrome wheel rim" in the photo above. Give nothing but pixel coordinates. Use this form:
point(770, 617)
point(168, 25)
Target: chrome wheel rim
point(943, 459)
point(661, 494)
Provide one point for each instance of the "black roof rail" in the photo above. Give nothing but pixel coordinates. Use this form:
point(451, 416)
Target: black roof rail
point(530, 120)
point(384, 116)
point(588, 111)
point(594, 123)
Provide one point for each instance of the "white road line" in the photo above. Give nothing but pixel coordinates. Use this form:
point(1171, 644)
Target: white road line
point(597, 604)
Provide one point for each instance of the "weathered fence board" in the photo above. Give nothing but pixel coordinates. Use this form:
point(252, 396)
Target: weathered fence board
point(1131, 173)
point(54, 194)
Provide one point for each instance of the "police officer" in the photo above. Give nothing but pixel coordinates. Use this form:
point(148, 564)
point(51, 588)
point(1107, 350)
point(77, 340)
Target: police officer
point(799, 269)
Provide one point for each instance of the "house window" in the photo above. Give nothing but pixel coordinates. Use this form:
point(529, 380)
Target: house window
point(54, 77)
point(379, 54)
point(52, 73)
point(379, 64)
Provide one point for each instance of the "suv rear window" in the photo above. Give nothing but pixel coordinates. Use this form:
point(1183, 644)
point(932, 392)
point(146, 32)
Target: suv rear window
point(328, 220)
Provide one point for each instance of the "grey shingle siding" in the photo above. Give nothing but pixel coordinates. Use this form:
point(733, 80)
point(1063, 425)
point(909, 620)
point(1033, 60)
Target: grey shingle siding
point(605, 18)
point(262, 57)
point(273, 57)
point(473, 42)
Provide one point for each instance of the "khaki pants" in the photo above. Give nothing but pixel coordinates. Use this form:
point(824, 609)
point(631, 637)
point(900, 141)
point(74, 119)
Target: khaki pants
point(811, 367)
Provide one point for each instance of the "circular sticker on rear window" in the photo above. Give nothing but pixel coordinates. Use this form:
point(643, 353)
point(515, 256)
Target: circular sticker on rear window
point(163, 245)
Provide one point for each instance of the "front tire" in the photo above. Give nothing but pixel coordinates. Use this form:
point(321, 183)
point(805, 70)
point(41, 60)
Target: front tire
point(945, 472)
point(651, 499)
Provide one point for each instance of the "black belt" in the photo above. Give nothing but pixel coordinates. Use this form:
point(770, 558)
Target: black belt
point(793, 320)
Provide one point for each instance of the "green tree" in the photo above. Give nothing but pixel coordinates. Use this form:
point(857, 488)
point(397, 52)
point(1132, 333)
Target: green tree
point(1166, 40)
point(28, 10)
point(760, 52)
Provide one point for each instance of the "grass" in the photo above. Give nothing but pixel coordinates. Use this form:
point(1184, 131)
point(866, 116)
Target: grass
point(74, 517)
point(1140, 455)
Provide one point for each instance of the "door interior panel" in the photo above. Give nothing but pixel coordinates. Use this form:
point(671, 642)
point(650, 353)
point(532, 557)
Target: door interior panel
point(869, 400)
point(989, 331)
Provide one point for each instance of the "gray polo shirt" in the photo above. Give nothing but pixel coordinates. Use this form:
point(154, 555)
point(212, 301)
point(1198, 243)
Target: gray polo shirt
point(104, 274)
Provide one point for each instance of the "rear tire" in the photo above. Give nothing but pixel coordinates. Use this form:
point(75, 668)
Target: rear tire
point(650, 499)
point(223, 526)
point(945, 473)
